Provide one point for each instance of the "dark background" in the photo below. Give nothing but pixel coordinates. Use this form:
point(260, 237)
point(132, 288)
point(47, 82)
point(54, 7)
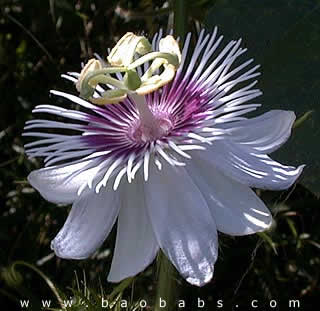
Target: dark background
point(40, 40)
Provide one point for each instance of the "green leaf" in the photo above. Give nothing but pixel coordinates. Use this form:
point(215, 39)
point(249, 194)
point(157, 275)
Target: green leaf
point(284, 37)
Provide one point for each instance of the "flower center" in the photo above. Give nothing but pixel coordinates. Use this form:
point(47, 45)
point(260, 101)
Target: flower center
point(151, 125)
point(144, 133)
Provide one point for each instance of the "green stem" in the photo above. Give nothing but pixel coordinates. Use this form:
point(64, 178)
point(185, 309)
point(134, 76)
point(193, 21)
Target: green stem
point(180, 18)
point(43, 276)
point(303, 118)
point(121, 287)
point(167, 285)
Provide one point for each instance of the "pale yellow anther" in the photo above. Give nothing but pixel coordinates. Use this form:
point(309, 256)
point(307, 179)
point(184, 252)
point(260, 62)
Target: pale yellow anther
point(149, 86)
point(144, 46)
point(130, 44)
point(157, 81)
point(150, 82)
point(168, 74)
point(170, 45)
point(92, 65)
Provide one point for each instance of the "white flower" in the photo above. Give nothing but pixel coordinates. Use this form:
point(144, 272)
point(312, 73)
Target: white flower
point(173, 167)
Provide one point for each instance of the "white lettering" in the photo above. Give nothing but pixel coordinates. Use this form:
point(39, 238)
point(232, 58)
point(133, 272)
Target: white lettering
point(46, 303)
point(273, 304)
point(24, 303)
point(142, 304)
point(162, 303)
point(181, 304)
point(293, 302)
point(104, 303)
point(200, 303)
point(253, 305)
point(220, 303)
point(67, 303)
point(124, 303)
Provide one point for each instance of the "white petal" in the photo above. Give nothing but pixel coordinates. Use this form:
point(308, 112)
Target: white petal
point(236, 209)
point(265, 133)
point(55, 185)
point(88, 224)
point(249, 167)
point(182, 223)
point(136, 245)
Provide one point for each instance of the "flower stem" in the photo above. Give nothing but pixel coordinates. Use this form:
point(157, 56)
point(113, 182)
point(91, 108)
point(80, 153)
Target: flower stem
point(180, 18)
point(167, 285)
point(121, 287)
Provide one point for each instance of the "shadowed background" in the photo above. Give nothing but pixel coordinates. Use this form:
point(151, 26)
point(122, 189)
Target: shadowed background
point(40, 40)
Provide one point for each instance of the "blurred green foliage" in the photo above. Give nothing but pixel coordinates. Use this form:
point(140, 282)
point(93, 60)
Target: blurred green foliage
point(40, 40)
